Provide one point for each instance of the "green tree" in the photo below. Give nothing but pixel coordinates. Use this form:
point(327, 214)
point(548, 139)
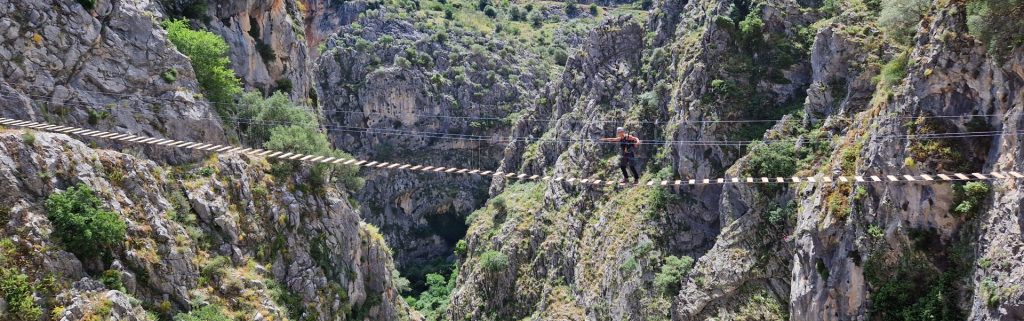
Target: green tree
point(899, 18)
point(969, 197)
point(206, 313)
point(493, 261)
point(433, 302)
point(310, 141)
point(997, 24)
point(266, 114)
point(209, 56)
point(79, 220)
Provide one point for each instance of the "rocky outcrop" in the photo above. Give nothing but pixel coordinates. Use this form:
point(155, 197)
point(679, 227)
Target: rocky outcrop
point(251, 244)
point(108, 68)
point(397, 91)
point(268, 51)
point(801, 252)
point(90, 299)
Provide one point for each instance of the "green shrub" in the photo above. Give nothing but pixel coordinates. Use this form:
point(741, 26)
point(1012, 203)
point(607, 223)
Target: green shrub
point(214, 268)
point(667, 281)
point(112, 280)
point(560, 56)
point(899, 18)
point(169, 75)
point(461, 248)
point(536, 19)
point(208, 54)
point(629, 265)
point(876, 232)
point(28, 138)
point(593, 9)
point(751, 28)
point(997, 24)
point(915, 290)
point(206, 313)
point(493, 261)
point(776, 159)
point(86, 229)
point(895, 70)
point(490, 12)
point(991, 293)
point(778, 216)
point(499, 204)
point(969, 198)
point(401, 283)
point(19, 295)
point(571, 9)
point(284, 85)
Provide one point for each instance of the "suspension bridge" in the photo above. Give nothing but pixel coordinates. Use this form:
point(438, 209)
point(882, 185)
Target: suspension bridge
point(878, 178)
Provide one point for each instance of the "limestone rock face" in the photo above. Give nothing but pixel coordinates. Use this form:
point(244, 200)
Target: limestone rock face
point(393, 92)
point(109, 68)
point(207, 234)
point(267, 48)
point(805, 251)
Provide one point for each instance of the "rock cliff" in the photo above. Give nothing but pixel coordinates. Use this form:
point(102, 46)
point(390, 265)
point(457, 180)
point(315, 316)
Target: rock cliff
point(225, 232)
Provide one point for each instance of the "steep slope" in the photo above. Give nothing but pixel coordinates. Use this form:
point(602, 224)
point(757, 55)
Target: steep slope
point(110, 67)
point(802, 251)
point(437, 83)
point(225, 233)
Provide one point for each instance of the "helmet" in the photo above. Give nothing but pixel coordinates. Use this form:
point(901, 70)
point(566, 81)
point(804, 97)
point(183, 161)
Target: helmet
point(620, 130)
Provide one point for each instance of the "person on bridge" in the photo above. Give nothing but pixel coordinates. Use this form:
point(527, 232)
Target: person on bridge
point(629, 144)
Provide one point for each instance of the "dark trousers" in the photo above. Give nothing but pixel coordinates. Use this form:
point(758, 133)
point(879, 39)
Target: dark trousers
point(628, 161)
